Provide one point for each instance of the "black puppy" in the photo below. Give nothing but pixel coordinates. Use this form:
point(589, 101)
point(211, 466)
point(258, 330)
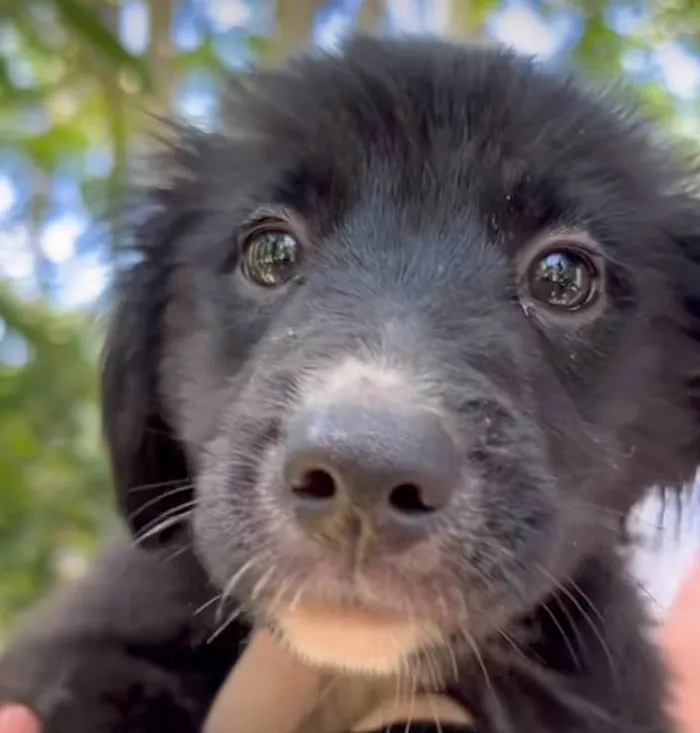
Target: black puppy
point(408, 338)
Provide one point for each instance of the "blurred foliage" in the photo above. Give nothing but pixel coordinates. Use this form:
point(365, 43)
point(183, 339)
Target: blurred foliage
point(75, 92)
point(54, 483)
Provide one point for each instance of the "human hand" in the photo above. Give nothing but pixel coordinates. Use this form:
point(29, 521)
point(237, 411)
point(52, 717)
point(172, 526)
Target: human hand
point(680, 639)
point(17, 718)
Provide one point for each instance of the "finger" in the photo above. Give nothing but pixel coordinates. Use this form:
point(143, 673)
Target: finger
point(680, 639)
point(16, 718)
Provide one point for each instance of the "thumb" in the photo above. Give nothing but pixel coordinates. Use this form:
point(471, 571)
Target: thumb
point(17, 718)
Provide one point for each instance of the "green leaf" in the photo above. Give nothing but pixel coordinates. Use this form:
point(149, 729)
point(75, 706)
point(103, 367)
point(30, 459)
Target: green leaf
point(599, 49)
point(258, 44)
point(85, 24)
point(58, 143)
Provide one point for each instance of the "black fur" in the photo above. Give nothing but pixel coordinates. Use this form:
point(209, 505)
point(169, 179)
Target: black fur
point(423, 174)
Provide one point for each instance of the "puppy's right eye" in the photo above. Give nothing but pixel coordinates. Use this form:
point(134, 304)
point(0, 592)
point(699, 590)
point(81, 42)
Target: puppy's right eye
point(563, 273)
point(271, 254)
point(563, 279)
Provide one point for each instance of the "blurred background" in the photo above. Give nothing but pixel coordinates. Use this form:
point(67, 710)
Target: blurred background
point(76, 80)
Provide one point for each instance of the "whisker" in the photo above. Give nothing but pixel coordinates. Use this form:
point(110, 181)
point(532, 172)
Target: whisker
point(412, 706)
point(453, 661)
point(512, 643)
point(159, 485)
point(207, 604)
point(259, 586)
point(161, 497)
point(282, 592)
point(433, 712)
point(546, 681)
point(617, 514)
point(656, 604)
point(235, 614)
point(479, 658)
point(587, 617)
point(398, 681)
point(167, 522)
point(432, 670)
point(228, 591)
point(570, 647)
point(237, 576)
point(302, 586)
point(176, 553)
point(185, 508)
point(587, 600)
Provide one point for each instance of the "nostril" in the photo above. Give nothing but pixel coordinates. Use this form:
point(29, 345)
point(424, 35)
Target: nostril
point(408, 499)
point(315, 485)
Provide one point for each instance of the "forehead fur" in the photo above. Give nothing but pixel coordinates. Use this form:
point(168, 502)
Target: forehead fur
point(420, 97)
point(430, 126)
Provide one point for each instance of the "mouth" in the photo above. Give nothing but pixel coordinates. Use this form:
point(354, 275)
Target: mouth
point(352, 639)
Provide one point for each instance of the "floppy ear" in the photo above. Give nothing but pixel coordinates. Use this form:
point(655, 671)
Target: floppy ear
point(148, 461)
point(685, 232)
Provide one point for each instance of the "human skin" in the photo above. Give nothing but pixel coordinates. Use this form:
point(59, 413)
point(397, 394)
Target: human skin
point(680, 637)
point(18, 719)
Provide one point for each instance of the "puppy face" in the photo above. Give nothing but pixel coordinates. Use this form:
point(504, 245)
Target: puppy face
point(409, 336)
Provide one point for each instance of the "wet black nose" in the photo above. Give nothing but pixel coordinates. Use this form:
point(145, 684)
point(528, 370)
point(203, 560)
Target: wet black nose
point(394, 467)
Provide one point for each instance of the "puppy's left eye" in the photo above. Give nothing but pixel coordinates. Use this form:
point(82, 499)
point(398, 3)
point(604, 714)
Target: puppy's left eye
point(270, 256)
point(563, 279)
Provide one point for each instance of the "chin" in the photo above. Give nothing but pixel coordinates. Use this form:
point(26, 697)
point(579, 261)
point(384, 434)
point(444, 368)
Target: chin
point(353, 639)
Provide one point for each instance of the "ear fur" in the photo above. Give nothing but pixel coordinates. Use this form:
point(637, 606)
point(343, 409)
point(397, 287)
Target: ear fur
point(148, 461)
point(685, 231)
